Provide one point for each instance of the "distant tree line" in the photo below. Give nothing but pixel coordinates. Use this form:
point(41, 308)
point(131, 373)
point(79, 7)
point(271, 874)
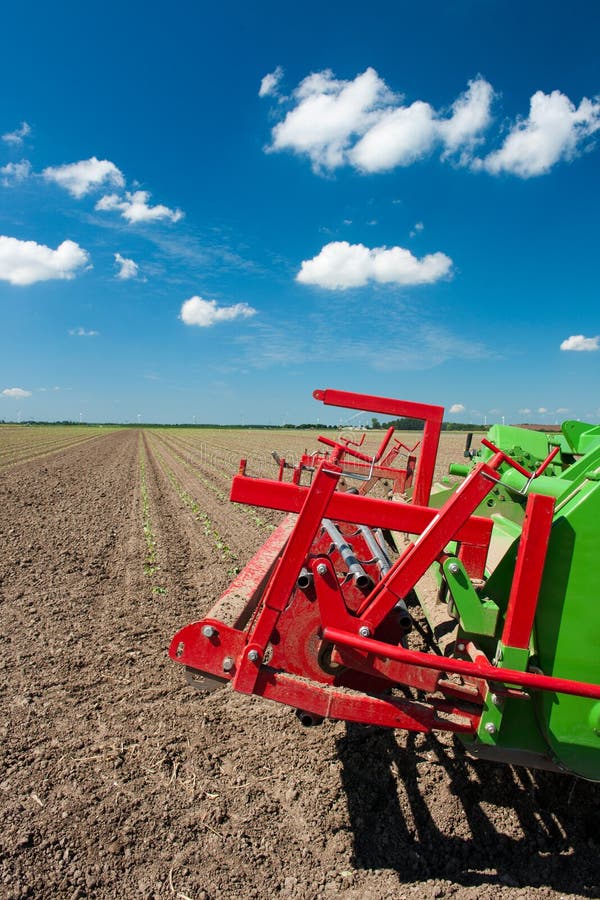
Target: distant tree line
point(408, 424)
point(403, 424)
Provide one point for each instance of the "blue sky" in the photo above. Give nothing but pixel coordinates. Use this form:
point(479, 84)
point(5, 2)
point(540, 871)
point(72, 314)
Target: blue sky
point(210, 210)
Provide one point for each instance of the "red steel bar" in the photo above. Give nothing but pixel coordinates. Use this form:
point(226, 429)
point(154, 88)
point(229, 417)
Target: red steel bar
point(431, 415)
point(529, 568)
point(405, 573)
point(461, 667)
point(344, 507)
point(283, 581)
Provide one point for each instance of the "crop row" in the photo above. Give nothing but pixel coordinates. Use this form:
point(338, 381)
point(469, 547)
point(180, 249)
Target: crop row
point(20, 443)
point(196, 468)
point(199, 515)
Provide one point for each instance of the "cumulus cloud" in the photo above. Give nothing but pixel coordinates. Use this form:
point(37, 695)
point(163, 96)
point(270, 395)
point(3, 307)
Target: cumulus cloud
point(457, 408)
point(471, 115)
point(205, 313)
point(15, 138)
point(82, 332)
point(128, 268)
point(12, 173)
point(580, 343)
point(135, 207)
point(341, 265)
point(399, 138)
point(26, 262)
point(270, 83)
point(554, 130)
point(363, 123)
point(82, 177)
point(417, 228)
point(328, 113)
point(525, 411)
point(16, 393)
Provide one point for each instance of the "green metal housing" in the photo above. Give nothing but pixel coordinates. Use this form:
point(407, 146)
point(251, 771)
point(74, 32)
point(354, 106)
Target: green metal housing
point(539, 729)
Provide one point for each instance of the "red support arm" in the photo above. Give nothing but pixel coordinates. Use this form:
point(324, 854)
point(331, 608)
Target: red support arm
point(529, 569)
point(431, 415)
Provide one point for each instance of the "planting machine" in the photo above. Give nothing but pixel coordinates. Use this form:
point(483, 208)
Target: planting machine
point(472, 608)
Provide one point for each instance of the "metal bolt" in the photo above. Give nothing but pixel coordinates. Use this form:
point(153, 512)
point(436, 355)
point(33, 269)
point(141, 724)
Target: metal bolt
point(253, 655)
point(454, 568)
point(208, 631)
point(460, 647)
point(491, 728)
point(321, 569)
point(496, 700)
point(228, 663)
point(364, 631)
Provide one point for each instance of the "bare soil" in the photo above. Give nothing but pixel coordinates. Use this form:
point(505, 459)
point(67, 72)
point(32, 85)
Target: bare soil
point(118, 781)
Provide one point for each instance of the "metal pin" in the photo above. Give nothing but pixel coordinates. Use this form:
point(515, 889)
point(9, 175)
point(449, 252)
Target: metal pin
point(208, 631)
point(228, 664)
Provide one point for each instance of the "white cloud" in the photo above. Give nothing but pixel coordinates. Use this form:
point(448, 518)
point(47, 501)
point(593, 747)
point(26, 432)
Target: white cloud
point(129, 268)
point(26, 262)
point(16, 393)
point(562, 409)
point(401, 137)
point(542, 410)
point(471, 115)
point(362, 123)
point(341, 265)
point(270, 83)
point(580, 343)
point(135, 207)
point(16, 137)
point(417, 228)
point(328, 113)
point(554, 130)
point(457, 408)
point(81, 332)
point(82, 177)
point(15, 172)
point(205, 313)
point(524, 411)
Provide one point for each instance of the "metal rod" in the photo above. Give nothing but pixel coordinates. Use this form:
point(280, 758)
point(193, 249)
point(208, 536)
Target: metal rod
point(360, 577)
point(377, 551)
point(461, 667)
point(304, 579)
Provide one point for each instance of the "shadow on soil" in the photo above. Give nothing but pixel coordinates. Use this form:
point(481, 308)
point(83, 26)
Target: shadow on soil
point(394, 821)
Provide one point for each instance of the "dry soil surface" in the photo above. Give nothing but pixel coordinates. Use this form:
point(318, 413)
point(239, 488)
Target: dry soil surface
point(119, 781)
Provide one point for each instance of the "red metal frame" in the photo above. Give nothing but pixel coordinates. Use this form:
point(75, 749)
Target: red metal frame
point(304, 646)
point(432, 416)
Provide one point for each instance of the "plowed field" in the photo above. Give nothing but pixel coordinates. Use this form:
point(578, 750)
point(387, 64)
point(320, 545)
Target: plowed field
point(119, 781)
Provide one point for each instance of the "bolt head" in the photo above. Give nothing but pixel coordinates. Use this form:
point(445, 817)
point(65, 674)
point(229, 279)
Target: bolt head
point(496, 700)
point(321, 569)
point(460, 647)
point(228, 664)
point(364, 631)
point(491, 728)
point(454, 568)
point(209, 631)
point(253, 655)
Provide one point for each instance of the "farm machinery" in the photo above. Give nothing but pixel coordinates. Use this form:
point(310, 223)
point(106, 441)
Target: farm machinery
point(470, 607)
